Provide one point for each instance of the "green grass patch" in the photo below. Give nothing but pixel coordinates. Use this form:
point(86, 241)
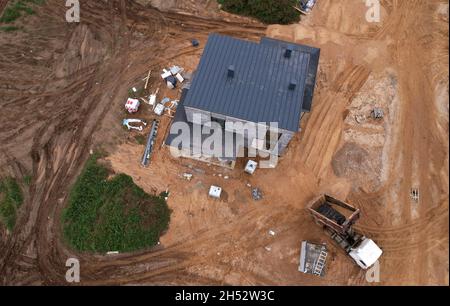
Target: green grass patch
point(135, 95)
point(27, 179)
point(267, 11)
point(112, 215)
point(11, 198)
point(17, 8)
point(9, 28)
point(10, 14)
point(140, 139)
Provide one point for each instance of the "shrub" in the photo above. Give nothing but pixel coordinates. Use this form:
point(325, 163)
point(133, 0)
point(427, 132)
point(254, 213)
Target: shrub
point(140, 139)
point(9, 28)
point(267, 11)
point(11, 199)
point(27, 179)
point(112, 215)
point(10, 14)
point(15, 9)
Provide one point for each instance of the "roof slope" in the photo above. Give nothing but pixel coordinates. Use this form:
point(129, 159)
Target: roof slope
point(312, 69)
point(259, 91)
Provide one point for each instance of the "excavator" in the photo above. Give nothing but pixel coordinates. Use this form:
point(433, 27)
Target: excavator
point(337, 219)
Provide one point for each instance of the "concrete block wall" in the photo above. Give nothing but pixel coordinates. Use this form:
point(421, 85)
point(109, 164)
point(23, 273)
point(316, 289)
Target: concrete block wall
point(249, 136)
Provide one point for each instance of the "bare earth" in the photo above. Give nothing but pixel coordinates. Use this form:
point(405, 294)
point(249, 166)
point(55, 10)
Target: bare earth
point(62, 89)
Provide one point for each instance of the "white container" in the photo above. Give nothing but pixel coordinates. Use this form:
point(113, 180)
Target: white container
point(166, 74)
point(179, 78)
point(159, 109)
point(132, 105)
point(188, 176)
point(251, 167)
point(215, 192)
point(152, 100)
point(175, 70)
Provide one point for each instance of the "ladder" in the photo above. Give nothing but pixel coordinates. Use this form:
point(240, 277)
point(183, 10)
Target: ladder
point(320, 263)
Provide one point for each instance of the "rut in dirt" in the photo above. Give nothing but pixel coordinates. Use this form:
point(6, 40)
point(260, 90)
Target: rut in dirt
point(59, 81)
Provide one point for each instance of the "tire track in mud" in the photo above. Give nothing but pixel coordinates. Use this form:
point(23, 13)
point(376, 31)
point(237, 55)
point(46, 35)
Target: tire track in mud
point(421, 231)
point(418, 127)
point(35, 254)
point(327, 120)
point(60, 148)
point(42, 152)
point(3, 4)
point(44, 266)
point(408, 27)
point(178, 256)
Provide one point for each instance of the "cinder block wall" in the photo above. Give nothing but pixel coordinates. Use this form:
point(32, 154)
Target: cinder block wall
point(249, 136)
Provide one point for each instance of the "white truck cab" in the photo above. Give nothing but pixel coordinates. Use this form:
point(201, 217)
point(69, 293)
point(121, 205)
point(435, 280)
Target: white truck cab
point(366, 254)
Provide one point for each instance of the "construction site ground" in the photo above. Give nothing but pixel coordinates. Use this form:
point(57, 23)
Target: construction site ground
point(63, 88)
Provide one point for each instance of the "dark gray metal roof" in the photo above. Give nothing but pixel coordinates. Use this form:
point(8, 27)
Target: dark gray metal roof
point(312, 69)
point(259, 91)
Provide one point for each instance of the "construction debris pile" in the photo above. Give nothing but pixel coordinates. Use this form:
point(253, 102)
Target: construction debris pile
point(256, 194)
point(172, 76)
point(377, 113)
point(164, 107)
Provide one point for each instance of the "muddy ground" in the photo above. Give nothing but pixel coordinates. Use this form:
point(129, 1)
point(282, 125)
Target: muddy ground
point(62, 88)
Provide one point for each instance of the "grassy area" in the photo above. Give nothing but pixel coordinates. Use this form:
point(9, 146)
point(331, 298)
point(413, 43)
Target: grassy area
point(267, 11)
point(15, 9)
point(140, 139)
point(11, 198)
point(112, 215)
point(9, 28)
point(27, 179)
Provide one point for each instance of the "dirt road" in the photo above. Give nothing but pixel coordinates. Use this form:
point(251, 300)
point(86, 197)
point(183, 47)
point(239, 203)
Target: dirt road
point(63, 86)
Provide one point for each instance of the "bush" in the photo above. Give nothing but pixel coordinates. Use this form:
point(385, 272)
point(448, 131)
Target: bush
point(140, 139)
point(10, 15)
point(11, 199)
point(27, 180)
point(9, 28)
point(114, 215)
point(267, 11)
point(15, 9)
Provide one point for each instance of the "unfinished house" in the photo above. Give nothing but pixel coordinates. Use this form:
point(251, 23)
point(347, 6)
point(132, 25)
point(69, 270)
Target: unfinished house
point(239, 81)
